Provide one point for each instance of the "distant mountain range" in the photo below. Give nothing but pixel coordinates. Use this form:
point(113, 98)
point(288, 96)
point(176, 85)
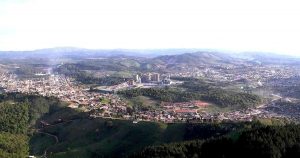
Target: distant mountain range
point(196, 58)
point(81, 52)
point(269, 58)
point(166, 56)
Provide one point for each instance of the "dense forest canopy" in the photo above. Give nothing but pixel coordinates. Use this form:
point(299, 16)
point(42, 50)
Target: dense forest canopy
point(267, 142)
point(13, 129)
point(19, 112)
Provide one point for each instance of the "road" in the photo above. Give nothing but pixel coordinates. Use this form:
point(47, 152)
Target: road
point(51, 135)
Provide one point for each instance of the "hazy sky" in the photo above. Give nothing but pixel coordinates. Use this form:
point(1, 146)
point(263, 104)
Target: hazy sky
point(238, 25)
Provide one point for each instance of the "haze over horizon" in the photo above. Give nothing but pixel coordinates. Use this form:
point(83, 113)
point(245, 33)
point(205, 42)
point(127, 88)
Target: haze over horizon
point(267, 26)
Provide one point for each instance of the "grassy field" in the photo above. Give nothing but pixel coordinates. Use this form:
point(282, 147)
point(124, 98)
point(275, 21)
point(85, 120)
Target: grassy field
point(216, 109)
point(142, 102)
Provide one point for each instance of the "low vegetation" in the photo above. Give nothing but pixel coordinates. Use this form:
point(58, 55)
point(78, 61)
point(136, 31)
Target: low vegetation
point(197, 90)
point(75, 71)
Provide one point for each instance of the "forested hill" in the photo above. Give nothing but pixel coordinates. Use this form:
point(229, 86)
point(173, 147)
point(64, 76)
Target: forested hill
point(14, 121)
point(19, 112)
point(196, 58)
point(266, 142)
point(118, 138)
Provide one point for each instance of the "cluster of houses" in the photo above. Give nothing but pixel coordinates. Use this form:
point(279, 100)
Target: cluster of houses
point(109, 105)
point(254, 74)
point(63, 88)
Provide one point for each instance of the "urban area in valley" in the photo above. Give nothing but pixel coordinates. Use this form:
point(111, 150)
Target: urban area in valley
point(71, 102)
point(142, 89)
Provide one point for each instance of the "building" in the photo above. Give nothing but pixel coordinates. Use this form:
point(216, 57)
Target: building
point(155, 77)
point(131, 82)
point(146, 78)
point(138, 79)
point(167, 81)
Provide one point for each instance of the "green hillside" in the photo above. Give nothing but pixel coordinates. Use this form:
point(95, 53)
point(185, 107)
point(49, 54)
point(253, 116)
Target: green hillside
point(13, 129)
point(67, 132)
point(81, 136)
point(195, 59)
point(267, 142)
point(18, 115)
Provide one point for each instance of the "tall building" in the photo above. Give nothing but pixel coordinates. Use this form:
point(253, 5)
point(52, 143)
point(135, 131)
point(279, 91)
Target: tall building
point(146, 78)
point(155, 77)
point(138, 79)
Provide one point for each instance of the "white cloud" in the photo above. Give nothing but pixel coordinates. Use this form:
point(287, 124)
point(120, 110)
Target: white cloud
point(217, 24)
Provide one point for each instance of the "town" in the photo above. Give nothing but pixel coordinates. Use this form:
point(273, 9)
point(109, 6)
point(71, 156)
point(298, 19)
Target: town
point(110, 105)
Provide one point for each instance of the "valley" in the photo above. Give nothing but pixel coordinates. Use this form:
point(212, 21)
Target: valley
point(119, 105)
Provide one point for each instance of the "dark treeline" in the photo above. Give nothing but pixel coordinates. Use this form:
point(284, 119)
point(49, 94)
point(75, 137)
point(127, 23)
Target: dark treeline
point(27, 70)
point(168, 95)
point(209, 130)
point(267, 142)
point(38, 105)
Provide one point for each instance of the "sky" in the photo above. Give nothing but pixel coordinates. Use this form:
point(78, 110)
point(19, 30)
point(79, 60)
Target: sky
point(235, 25)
